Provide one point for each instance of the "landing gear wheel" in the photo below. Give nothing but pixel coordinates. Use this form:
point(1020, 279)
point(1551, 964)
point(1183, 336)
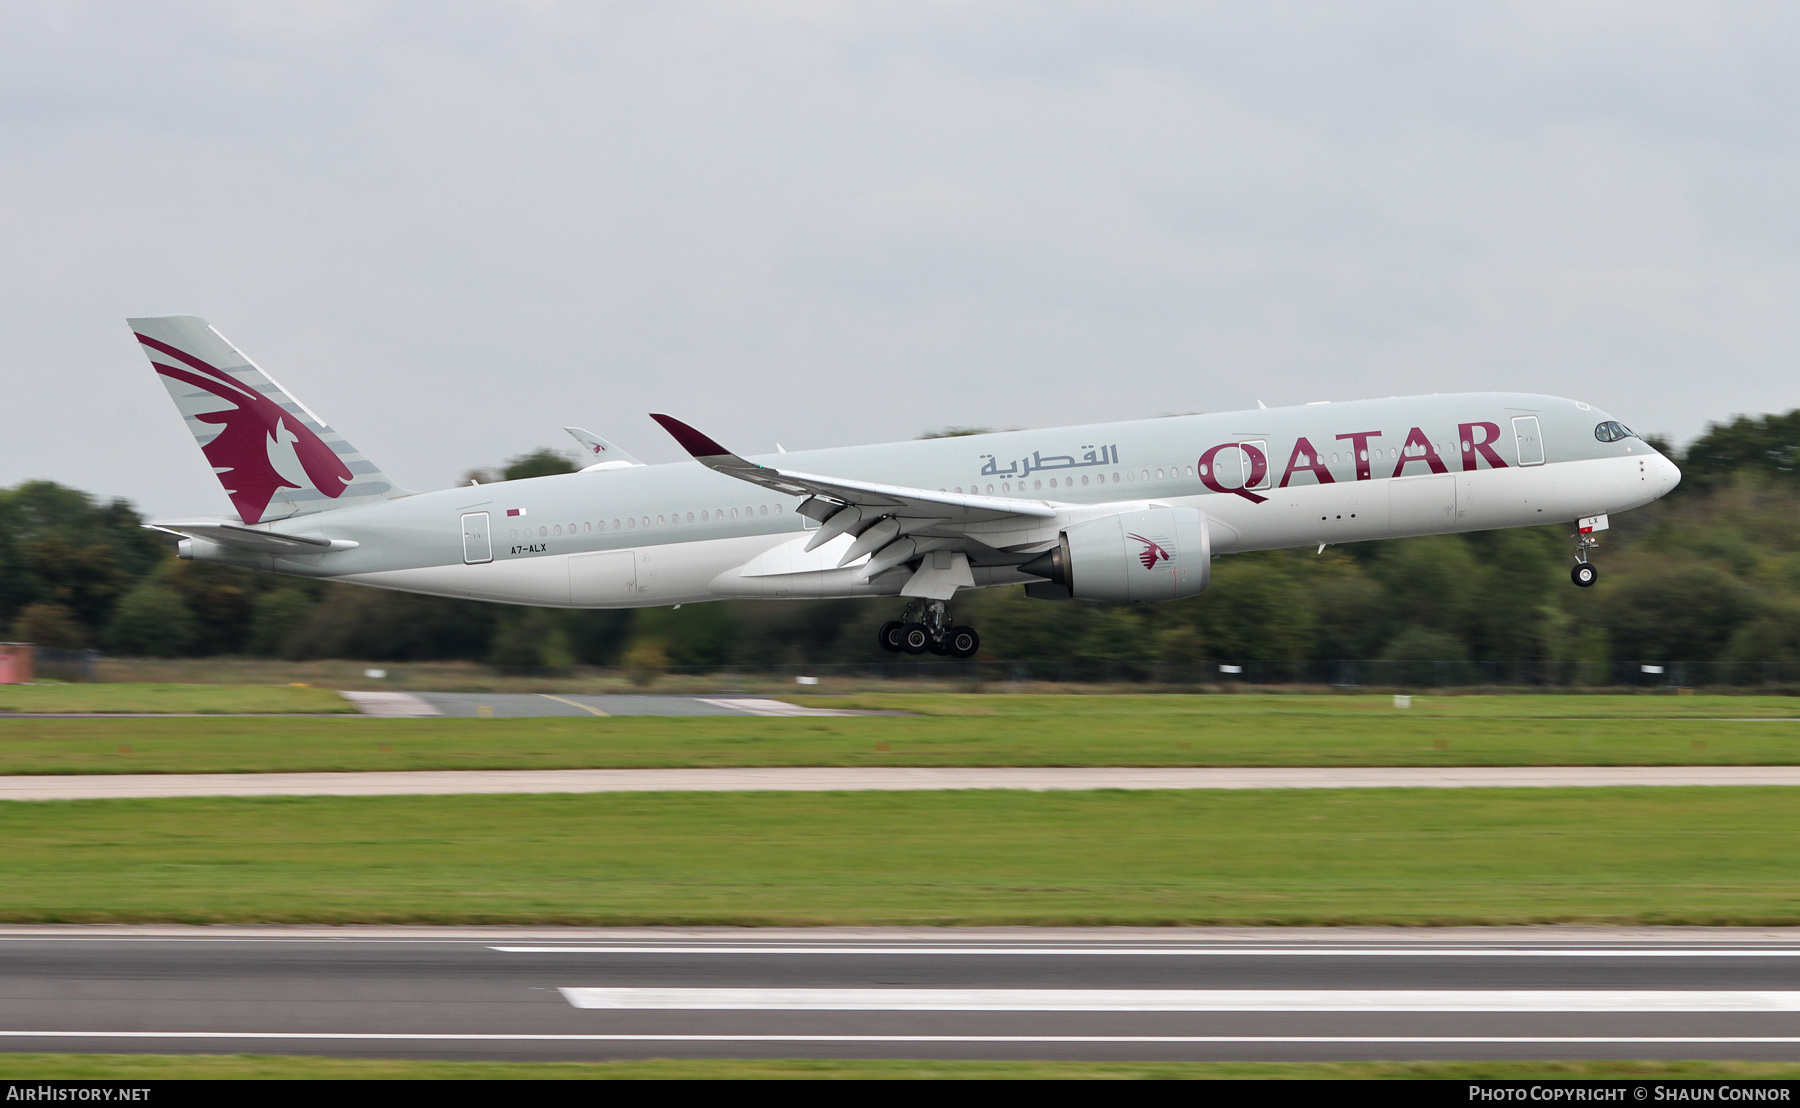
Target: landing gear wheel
point(889, 636)
point(1584, 574)
point(914, 639)
point(962, 642)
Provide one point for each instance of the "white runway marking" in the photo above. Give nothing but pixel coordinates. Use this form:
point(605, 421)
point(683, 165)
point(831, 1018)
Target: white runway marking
point(389, 705)
point(876, 778)
point(1185, 951)
point(466, 1037)
point(761, 707)
point(1180, 1000)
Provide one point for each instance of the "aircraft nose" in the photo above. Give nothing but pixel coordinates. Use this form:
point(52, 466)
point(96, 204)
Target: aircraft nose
point(1669, 473)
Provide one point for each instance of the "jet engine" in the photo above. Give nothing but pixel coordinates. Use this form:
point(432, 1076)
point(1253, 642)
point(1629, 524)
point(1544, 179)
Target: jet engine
point(1133, 557)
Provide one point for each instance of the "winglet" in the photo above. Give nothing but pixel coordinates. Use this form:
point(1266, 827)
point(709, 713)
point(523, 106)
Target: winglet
point(691, 440)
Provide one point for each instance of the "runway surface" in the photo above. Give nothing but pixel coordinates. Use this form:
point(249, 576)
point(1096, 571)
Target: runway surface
point(1103, 994)
point(877, 778)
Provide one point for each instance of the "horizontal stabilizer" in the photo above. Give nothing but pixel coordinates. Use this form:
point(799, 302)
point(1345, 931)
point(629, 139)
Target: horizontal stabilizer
point(250, 538)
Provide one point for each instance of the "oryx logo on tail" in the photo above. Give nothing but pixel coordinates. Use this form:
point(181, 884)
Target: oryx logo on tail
point(249, 429)
point(1152, 553)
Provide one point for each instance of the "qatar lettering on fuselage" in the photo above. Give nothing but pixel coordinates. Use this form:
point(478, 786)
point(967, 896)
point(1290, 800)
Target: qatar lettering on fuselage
point(1477, 441)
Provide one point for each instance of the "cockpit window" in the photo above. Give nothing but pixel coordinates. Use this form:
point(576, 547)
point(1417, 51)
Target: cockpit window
point(1612, 431)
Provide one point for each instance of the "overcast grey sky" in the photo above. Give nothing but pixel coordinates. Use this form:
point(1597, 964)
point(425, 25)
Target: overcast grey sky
point(452, 228)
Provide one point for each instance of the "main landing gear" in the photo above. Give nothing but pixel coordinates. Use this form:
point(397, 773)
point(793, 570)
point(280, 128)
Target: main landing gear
point(1584, 574)
point(925, 628)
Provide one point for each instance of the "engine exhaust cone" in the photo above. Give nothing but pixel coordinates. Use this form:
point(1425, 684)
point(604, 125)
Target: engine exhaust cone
point(1050, 565)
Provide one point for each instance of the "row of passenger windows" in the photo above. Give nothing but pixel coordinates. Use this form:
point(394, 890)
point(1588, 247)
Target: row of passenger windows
point(1037, 485)
point(1118, 477)
point(1122, 476)
point(631, 524)
point(1391, 454)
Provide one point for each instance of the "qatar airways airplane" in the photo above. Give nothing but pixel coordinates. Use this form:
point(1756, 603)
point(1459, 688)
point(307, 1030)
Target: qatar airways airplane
point(1128, 512)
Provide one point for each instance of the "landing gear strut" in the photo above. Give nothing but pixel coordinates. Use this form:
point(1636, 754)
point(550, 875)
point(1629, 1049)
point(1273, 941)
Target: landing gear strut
point(925, 626)
point(1584, 574)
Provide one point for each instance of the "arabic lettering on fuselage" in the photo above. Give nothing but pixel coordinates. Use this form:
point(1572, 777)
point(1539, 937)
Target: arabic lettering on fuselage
point(1039, 461)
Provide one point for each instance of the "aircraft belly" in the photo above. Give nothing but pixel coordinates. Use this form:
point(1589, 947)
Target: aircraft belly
point(1309, 514)
point(542, 581)
point(1422, 505)
point(683, 573)
point(638, 577)
point(818, 585)
point(1555, 493)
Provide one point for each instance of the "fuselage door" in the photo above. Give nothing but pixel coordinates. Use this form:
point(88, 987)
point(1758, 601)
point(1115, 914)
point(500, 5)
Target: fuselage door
point(478, 544)
point(1530, 440)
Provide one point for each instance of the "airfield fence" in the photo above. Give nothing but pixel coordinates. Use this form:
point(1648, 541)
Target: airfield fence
point(65, 665)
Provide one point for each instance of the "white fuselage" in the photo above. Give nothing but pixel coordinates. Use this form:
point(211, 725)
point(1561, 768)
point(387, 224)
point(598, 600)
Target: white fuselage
point(680, 533)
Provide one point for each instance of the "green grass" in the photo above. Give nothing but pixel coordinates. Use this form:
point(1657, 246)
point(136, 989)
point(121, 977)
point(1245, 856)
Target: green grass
point(1358, 856)
point(220, 699)
point(956, 731)
point(171, 1067)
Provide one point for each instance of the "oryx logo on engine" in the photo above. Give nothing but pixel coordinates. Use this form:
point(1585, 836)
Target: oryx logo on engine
point(1152, 552)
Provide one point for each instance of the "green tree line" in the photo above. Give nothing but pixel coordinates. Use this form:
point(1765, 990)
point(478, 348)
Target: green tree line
point(1710, 573)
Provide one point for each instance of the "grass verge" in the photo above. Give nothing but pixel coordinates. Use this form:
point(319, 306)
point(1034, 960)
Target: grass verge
point(953, 731)
point(172, 1067)
point(1359, 856)
point(209, 699)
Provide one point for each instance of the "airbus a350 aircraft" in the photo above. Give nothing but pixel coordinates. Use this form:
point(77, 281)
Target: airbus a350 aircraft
point(1120, 512)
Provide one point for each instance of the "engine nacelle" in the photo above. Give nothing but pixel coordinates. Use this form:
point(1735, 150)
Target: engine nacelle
point(1133, 557)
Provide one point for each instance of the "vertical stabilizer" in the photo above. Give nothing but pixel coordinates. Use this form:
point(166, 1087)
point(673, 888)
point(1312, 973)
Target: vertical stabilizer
point(601, 453)
point(273, 455)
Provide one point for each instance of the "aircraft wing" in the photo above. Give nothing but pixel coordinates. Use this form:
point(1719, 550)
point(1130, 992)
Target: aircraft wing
point(895, 500)
point(250, 538)
point(891, 523)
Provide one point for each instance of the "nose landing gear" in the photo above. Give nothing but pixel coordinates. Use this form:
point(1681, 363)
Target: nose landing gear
point(1584, 574)
point(925, 627)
